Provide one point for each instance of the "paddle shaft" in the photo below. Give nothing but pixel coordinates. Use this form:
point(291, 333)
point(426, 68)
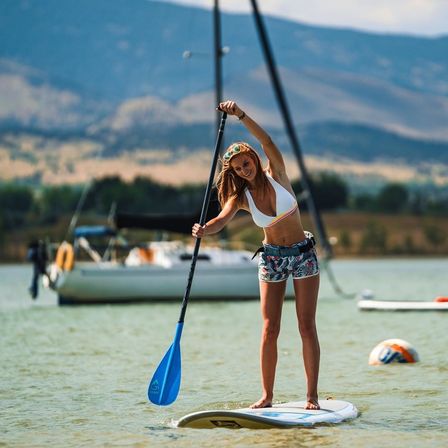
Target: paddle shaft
point(203, 217)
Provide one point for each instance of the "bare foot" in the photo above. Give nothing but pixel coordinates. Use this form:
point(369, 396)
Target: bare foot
point(262, 403)
point(312, 404)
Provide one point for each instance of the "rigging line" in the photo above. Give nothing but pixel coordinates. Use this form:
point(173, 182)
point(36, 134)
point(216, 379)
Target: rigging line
point(88, 185)
point(78, 210)
point(326, 265)
point(281, 100)
point(305, 180)
point(328, 269)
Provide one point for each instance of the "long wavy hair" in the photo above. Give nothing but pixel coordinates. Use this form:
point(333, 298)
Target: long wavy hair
point(230, 185)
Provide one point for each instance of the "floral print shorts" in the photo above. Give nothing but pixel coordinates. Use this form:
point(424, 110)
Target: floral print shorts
point(275, 268)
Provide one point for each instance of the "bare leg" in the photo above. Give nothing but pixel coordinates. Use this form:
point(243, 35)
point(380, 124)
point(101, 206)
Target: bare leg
point(306, 292)
point(272, 296)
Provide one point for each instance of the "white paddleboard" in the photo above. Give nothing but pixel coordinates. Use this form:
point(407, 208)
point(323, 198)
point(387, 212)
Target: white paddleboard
point(285, 415)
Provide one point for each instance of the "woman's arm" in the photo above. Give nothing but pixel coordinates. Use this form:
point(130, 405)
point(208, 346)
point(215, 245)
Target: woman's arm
point(215, 225)
point(275, 158)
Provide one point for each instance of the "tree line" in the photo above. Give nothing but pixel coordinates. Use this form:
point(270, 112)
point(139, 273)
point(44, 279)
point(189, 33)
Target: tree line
point(22, 206)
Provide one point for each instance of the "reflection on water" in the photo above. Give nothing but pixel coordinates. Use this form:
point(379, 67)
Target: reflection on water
point(78, 376)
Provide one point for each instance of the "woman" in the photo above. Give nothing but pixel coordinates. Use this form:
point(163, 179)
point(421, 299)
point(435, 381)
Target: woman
point(287, 249)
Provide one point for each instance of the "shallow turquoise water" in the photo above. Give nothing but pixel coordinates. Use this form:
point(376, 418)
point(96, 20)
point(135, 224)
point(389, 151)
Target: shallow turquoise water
point(78, 376)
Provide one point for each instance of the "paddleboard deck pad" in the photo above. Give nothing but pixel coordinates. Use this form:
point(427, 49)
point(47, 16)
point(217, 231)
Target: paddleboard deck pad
point(285, 415)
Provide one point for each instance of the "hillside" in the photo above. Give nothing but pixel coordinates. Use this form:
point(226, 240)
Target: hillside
point(110, 76)
point(117, 50)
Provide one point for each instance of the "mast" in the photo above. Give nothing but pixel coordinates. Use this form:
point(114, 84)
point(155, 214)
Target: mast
point(218, 53)
point(281, 100)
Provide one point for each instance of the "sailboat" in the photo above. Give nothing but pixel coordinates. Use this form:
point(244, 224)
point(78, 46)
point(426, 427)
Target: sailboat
point(149, 271)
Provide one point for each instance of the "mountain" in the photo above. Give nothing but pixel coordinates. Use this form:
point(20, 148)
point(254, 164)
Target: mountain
point(29, 98)
point(112, 72)
point(366, 144)
point(119, 49)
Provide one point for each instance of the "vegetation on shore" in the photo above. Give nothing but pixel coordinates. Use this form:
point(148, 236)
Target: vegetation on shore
point(395, 221)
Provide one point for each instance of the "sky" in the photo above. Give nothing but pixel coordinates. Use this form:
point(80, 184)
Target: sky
point(418, 17)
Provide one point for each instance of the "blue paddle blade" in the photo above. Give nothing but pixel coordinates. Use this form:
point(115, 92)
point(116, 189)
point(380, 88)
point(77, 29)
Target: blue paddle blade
point(165, 383)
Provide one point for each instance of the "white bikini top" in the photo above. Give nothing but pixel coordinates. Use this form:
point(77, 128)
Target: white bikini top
point(285, 205)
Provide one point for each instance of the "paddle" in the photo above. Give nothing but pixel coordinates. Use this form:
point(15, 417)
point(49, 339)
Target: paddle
point(165, 383)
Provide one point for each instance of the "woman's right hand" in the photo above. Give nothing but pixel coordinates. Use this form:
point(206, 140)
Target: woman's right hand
point(198, 231)
point(231, 108)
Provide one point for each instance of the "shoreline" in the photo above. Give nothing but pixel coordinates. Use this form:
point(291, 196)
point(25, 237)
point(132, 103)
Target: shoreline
point(355, 235)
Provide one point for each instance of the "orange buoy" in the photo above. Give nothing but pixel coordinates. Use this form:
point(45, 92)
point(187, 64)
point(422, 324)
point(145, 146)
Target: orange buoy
point(441, 299)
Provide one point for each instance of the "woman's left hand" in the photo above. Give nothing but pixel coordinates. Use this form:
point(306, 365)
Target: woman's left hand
point(231, 108)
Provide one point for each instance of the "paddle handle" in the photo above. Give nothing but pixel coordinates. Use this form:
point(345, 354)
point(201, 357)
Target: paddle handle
point(203, 217)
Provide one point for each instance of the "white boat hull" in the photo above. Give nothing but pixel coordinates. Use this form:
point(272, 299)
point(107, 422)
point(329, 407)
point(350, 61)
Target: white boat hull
point(91, 283)
point(388, 305)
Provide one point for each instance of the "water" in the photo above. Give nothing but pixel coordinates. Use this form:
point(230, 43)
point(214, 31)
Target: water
point(78, 376)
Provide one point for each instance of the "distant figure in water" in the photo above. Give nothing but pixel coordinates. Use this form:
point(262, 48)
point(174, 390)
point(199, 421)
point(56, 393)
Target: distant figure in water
point(287, 249)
